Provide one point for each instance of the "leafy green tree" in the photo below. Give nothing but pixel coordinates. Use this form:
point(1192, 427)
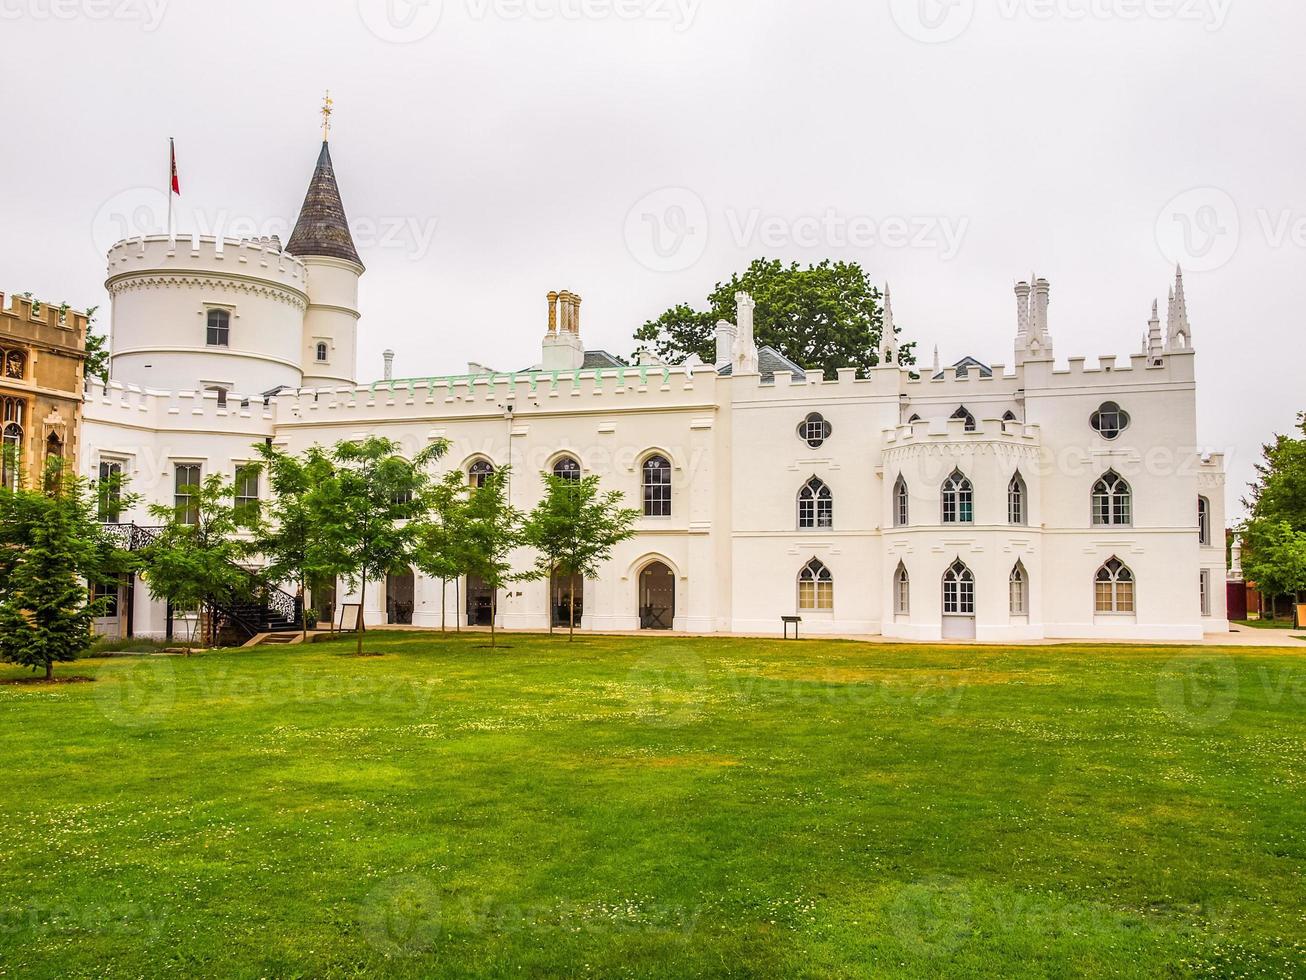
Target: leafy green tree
point(440, 551)
point(53, 548)
point(369, 513)
point(822, 317)
point(574, 529)
point(97, 349)
point(1277, 526)
point(492, 529)
point(195, 561)
point(287, 535)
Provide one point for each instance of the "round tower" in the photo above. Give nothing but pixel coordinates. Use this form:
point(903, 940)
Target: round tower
point(206, 313)
point(322, 241)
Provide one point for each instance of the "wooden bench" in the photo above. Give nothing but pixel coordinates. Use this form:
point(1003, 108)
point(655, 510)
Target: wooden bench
point(793, 621)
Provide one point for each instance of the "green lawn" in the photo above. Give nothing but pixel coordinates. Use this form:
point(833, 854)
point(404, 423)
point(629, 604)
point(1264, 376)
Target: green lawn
point(665, 807)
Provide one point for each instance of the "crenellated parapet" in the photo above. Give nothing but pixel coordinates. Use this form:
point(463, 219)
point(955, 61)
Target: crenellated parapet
point(135, 406)
point(250, 266)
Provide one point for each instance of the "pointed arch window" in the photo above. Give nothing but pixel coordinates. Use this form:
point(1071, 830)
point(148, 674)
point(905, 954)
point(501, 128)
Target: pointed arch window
point(901, 503)
point(1010, 417)
point(11, 440)
point(958, 590)
point(1203, 521)
point(815, 506)
point(964, 414)
point(1112, 501)
point(1018, 587)
point(657, 487)
point(1115, 588)
point(1017, 501)
point(567, 468)
point(958, 500)
point(815, 588)
point(914, 418)
point(479, 472)
point(901, 591)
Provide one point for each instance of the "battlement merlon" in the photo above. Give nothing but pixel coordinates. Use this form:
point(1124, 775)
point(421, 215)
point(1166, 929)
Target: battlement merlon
point(954, 431)
point(258, 258)
point(28, 309)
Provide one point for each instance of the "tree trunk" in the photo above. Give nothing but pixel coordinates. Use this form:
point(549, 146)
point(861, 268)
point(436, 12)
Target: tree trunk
point(571, 615)
point(444, 595)
point(49, 670)
point(303, 609)
point(457, 604)
point(494, 614)
point(362, 625)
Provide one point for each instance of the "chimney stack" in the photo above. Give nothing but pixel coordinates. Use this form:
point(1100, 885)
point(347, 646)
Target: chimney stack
point(562, 349)
point(553, 312)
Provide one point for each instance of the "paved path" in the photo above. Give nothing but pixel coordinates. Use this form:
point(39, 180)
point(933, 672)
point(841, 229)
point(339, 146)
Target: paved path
point(1239, 636)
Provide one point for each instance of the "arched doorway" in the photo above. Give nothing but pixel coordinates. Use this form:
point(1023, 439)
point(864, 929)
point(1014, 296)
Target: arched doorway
point(958, 602)
point(480, 603)
point(657, 597)
point(399, 588)
point(564, 590)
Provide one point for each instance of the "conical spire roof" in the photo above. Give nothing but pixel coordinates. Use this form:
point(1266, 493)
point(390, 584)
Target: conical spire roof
point(322, 228)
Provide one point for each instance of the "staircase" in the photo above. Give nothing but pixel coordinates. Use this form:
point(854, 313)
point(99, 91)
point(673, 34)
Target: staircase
point(259, 607)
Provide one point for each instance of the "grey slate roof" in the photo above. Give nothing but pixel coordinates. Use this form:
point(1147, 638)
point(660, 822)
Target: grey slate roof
point(769, 361)
point(965, 365)
point(595, 359)
point(322, 228)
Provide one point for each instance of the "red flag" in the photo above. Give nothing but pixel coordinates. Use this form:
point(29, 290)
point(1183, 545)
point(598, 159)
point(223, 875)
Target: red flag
point(176, 182)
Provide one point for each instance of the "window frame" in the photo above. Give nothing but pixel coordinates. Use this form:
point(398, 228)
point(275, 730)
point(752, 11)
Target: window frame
point(186, 504)
point(901, 502)
point(1018, 590)
point(959, 590)
point(814, 430)
point(967, 417)
point(1111, 409)
point(656, 494)
point(901, 590)
point(1017, 501)
point(1204, 521)
point(1117, 574)
point(478, 471)
point(108, 496)
point(815, 506)
point(245, 502)
point(567, 467)
point(219, 334)
point(1112, 501)
point(815, 587)
point(958, 499)
point(321, 352)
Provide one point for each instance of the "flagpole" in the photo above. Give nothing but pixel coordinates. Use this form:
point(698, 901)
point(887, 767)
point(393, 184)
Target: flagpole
point(172, 236)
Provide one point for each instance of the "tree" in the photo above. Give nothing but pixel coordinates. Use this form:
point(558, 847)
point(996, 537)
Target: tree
point(574, 529)
point(823, 317)
point(53, 547)
point(97, 349)
point(491, 530)
point(368, 513)
point(287, 534)
point(1275, 531)
point(441, 551)
point(194, 563)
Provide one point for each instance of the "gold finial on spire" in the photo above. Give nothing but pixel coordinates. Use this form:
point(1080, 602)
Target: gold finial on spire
point(327, 103)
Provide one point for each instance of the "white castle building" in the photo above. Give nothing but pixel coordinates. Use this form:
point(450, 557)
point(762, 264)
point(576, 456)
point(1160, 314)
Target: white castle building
point(971, 501)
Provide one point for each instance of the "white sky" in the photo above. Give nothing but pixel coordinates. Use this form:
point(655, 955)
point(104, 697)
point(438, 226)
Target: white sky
point(511, 147)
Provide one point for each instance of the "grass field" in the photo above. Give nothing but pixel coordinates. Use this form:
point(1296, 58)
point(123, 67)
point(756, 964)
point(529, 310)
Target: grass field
point(657, 807)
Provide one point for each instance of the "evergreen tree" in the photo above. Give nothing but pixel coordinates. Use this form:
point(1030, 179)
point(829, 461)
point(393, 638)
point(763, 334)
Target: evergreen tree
point(369, 512)
point(54, 548)
point(574, 529)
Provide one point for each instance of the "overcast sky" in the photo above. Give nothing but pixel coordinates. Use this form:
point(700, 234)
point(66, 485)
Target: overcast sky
point(639, 151)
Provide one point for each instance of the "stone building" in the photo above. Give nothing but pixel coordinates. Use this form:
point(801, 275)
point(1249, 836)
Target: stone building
point(42, 357)
point(976, 501)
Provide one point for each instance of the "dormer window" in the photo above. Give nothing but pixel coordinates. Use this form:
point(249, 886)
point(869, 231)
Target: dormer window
point(219, 329)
